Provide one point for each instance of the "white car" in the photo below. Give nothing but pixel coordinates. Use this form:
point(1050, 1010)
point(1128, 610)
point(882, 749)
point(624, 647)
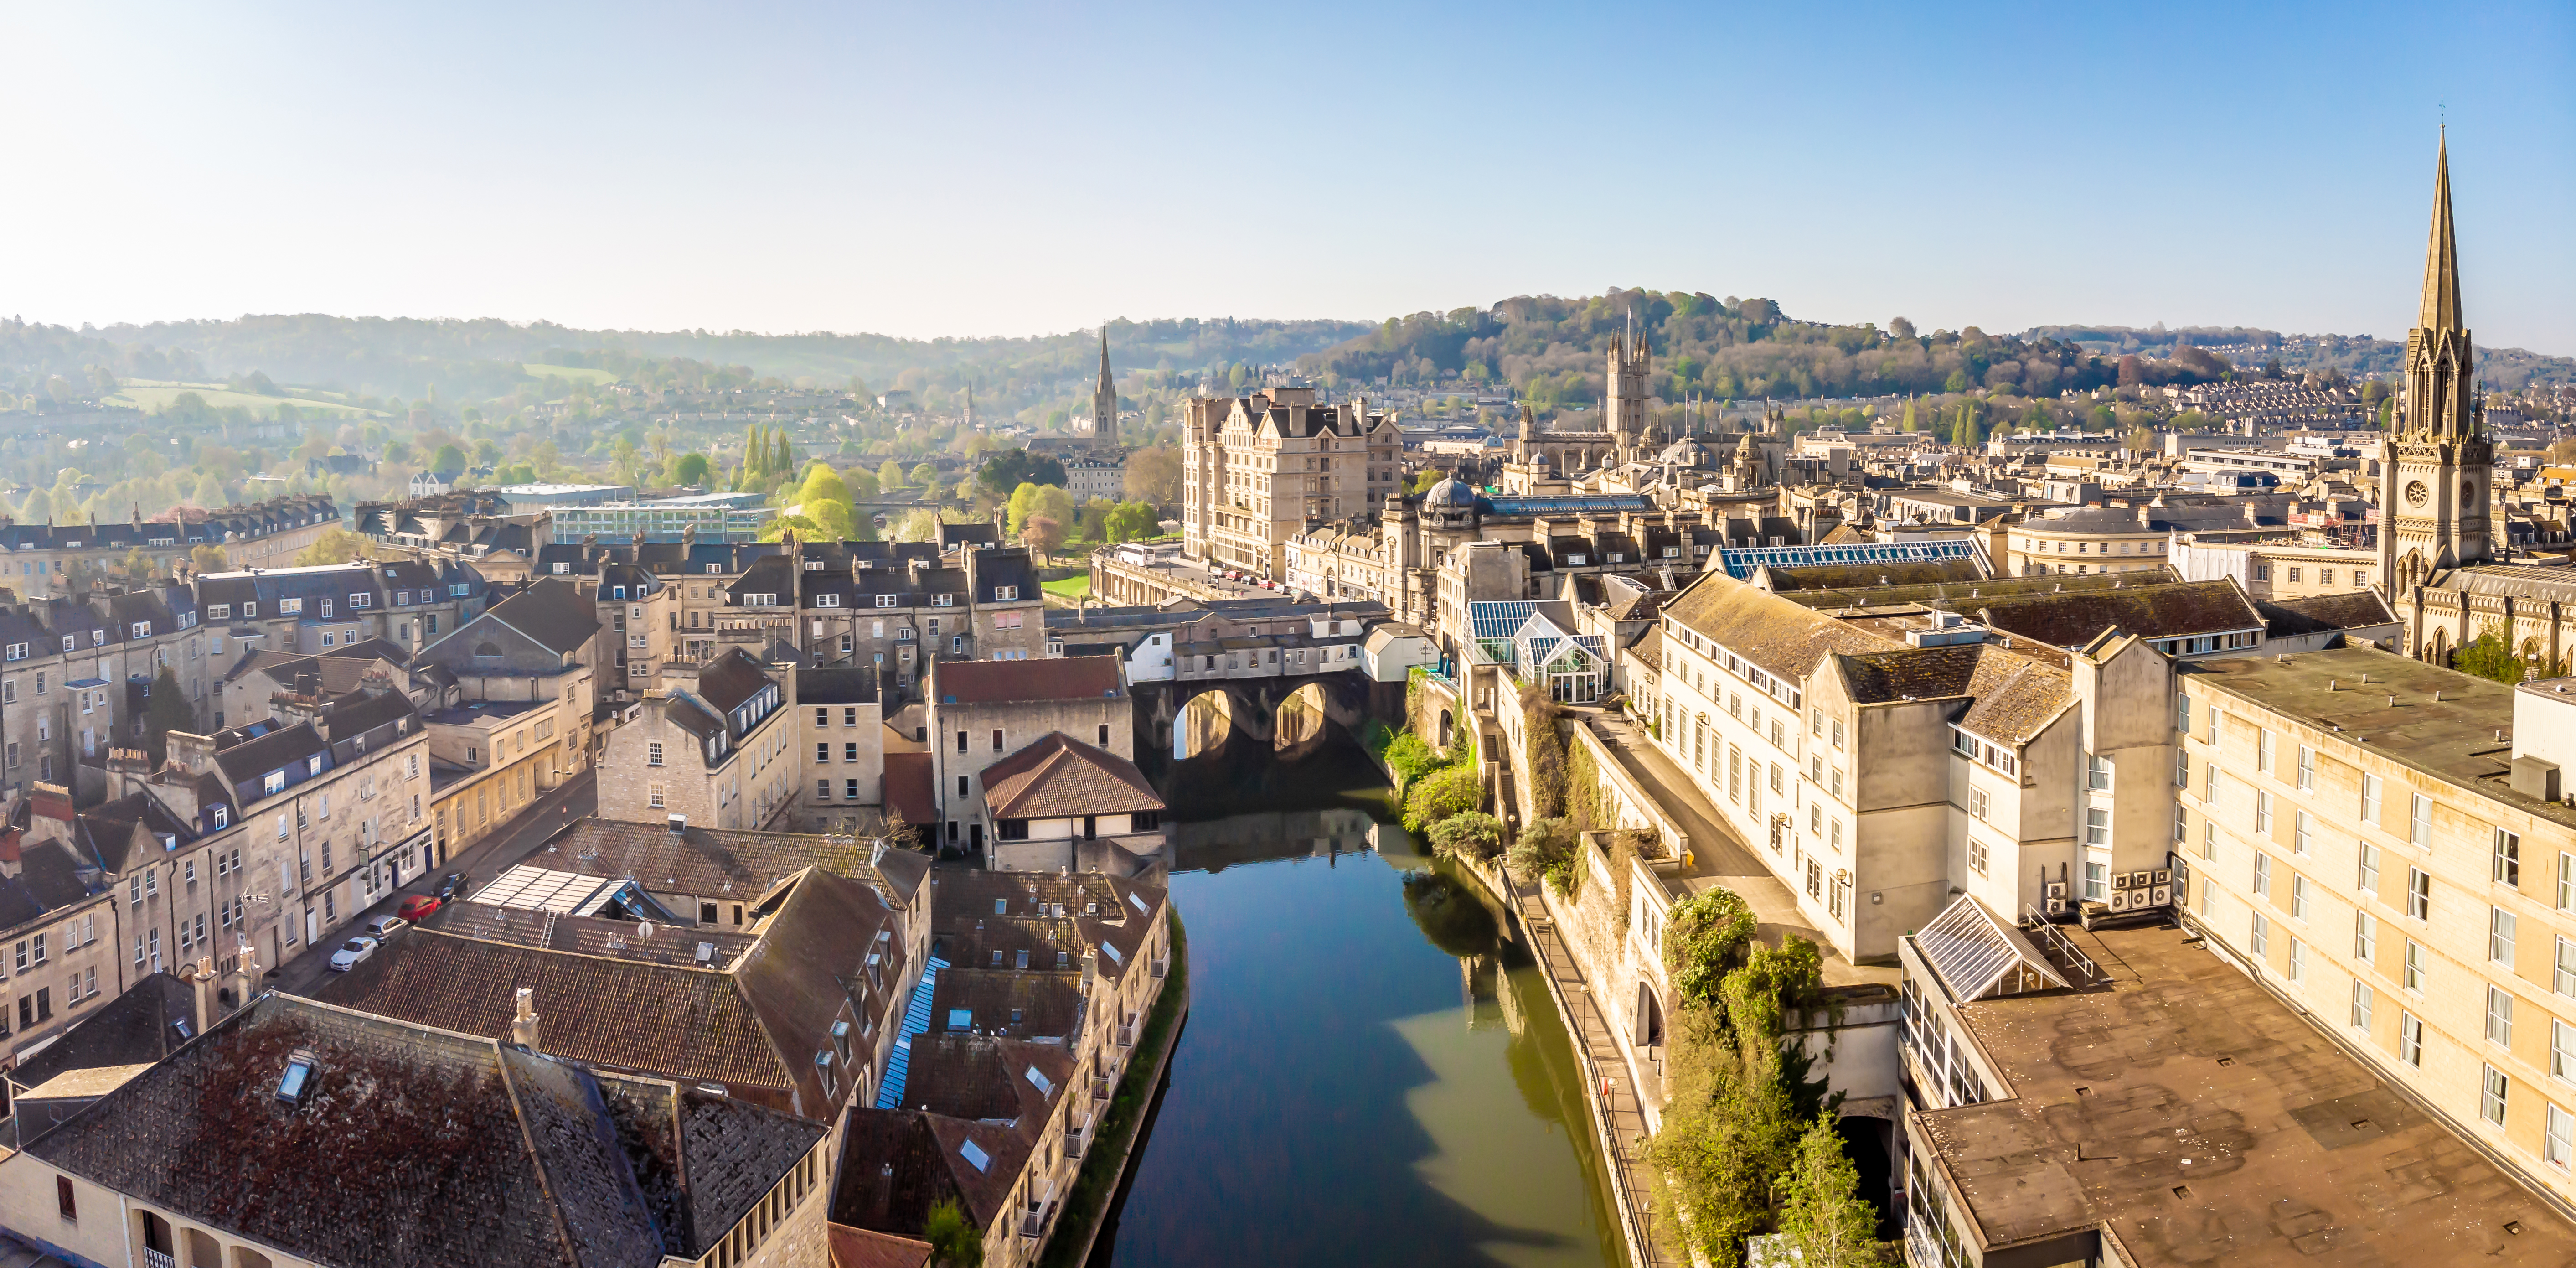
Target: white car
point(350, 952)
point(382, 927)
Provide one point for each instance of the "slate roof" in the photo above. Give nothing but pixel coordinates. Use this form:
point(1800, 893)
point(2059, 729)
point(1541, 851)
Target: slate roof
point(135, 1028)
point(724, 861)
point(2074, 618)
point(847, 684)
point(1059, 777)
point(1010, 681)
point(730, 679)
point(2319, 613)
point(977, 1089)
point(1783, 638)
point(552, 612)
point(891, 1171)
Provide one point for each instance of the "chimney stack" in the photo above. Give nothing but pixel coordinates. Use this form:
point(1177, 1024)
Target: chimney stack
point(1090, 968)
point(200, 973)
point(523, 1026)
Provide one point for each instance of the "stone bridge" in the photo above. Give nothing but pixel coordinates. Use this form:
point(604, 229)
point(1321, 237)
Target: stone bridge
point(1190, 717)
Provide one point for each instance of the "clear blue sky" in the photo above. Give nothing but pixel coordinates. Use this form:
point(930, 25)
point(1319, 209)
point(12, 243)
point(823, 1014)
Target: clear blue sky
point(950, 169)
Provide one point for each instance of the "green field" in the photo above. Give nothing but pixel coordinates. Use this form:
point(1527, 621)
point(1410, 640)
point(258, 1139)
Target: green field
point(569, 373)
point(1068, 587)
point(158, 396)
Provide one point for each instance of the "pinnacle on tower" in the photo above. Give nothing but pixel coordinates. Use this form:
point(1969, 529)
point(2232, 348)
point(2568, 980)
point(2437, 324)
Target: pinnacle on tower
point(2441, 309)
point(1104, 354)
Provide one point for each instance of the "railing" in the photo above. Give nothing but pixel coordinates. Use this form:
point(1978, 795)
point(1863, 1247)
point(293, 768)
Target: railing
point(158, 1259)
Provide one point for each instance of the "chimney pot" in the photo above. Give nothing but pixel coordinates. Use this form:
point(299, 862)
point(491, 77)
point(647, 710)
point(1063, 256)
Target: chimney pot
point(523, 1025)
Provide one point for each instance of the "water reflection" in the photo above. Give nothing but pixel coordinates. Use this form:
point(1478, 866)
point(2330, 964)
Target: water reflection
point(1370, 1074)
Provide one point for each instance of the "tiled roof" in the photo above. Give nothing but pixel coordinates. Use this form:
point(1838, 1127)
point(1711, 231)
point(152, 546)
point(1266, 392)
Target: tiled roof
point(1007, 681)
point(2317, 613)
point(713, 861)
point(1784, 638)
point(867, 1248)
point(591, 935)
point(2017, 696)
point(908, 788)
point(731, 678)
point(1059, 777)
point(891, 1172)
point(2076, 617)
point(551, 612)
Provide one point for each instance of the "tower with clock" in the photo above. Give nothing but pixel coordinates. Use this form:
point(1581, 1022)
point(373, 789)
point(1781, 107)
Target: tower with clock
point(2436, 460)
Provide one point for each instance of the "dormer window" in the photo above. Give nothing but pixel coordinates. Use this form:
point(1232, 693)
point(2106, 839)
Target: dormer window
point(250, 608)
point(313, 764)
point(358, 600)
point(827, 600)
point(223, 817)
point(274, 784)
point(326, 609)
point(711, 568)
point(885, 600)
point(70, 642)
point(943, 600)
point(142, 629)
point(289, 607)
point(1005, 594)
point(98, 638)
point(563, 569)
point(617, 592)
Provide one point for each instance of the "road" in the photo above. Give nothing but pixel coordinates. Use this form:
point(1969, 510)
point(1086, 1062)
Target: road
point(578, 798)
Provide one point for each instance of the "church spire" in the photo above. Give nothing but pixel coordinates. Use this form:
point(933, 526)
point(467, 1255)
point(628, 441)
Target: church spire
point(1105, 381)
point(2441, 257)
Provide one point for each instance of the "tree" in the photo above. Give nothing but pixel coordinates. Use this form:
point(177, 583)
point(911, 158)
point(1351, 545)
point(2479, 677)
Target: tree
point(2489, 656)
point(890, 476)
point(448, 461)
point(165, 709)
point(691, 468)
point(335, 546)
point(209, 558)
point(1043, 534)
point(1153, 477)
point(138, 566)
point(925, 475)
point(1821, 1211)
point(954, 1240)
point(1131, 521)
point(39, 508)
point(1012, 468)
point(1031, 501)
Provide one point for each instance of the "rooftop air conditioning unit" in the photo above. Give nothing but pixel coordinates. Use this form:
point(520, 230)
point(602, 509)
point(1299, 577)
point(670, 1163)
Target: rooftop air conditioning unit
point(2119, 881)
point(2163, 895)
point(2119, 900)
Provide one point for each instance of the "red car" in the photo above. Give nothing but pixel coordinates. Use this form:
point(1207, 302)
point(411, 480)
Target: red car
point(417, 906)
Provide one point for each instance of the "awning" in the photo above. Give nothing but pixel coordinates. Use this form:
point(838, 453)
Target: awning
point(1978, 954)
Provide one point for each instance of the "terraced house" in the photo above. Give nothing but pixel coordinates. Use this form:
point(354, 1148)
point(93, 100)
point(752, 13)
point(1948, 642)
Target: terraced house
point(42, 559)
point(75, 675)
point(314, 609)
point(715, 747)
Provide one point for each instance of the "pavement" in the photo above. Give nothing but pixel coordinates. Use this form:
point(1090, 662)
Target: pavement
point(523, 835)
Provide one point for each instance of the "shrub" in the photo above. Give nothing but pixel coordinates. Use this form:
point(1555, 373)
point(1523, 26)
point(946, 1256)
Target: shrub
point(1410, 758)
point(1473, 835)
point(1543, 844)
point(1706, 937)
point(955, 1241)
point(1450, 790)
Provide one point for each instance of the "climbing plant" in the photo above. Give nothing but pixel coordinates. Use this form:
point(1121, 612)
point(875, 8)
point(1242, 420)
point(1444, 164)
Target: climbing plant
point(1544, 750)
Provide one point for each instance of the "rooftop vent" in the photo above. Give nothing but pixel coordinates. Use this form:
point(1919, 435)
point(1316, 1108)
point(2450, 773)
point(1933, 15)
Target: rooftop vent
point(678, 823)
point(706, 953)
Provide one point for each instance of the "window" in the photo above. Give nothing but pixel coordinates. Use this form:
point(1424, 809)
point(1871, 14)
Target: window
point(654, 796)
point(2412, 972)
point(65, 1203)
point(2560, 1139)
point(2260, 938)
point(2182, 714)
point(2182, 825)
point(2566, 877)
point(2419, 894)
point(2298, 962)
point(2369, 798)
point(2097, 773)
point(1976, 855)
point(652, 754)
point(2361, 1002)
point(2262, 874)
point(2263, 751)
point(2562, 1051)
point(2097, 882)
point(2410, 1040)
point(2508, 858)
point(2299, 833)
point(2298, 896)
point(2307, 769)
point(2263, 812)
point(2097, 827)
point(2491, 1089)
point(822, 790)
point(2419, 822)
point(1977, 802)
point(2368, 879)
point(2365, 936)
point(2500, 930)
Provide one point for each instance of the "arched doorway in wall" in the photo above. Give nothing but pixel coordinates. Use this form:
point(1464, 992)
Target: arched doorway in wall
point(2438, 651)
point(1448, 729)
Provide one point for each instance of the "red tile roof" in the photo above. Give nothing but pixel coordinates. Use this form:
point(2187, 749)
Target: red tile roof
point(1003, 681)
point(908, 792)
point(1060, 777)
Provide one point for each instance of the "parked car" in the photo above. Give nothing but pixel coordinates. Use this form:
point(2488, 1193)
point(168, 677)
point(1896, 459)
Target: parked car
point(417, 906)
point(350, 952)
point(382, 927)
point(451, 887)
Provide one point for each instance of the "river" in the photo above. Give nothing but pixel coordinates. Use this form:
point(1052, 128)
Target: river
point(1369, 1075)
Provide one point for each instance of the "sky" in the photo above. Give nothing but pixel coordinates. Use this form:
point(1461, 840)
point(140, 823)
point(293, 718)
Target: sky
point(963, 169)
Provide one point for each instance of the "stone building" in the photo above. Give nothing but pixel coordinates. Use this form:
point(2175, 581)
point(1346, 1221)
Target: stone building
point(844, 744)
point(42, 557)
point(74, 673)
point(1257, 470)
point(525, 687)
point(714, 748)
point(984, 711)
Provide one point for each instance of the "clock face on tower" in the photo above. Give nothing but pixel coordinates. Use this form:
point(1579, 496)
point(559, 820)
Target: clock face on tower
point(2416, 493)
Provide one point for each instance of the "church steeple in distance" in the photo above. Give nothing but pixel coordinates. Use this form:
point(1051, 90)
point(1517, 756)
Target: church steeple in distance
point(2433, 499)
point(1104, 399)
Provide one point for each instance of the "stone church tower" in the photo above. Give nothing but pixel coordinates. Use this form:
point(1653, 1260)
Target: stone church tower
point(1627, 413)
point(2436, 459)
point(1103, 431)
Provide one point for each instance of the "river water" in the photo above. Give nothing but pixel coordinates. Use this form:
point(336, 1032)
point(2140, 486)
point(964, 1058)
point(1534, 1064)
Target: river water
point(1369, 1074)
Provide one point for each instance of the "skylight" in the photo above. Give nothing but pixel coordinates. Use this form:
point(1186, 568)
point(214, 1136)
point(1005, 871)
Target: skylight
point(975, 1156)
point(1137, 901)
point(961, 1019)
point(1112, 953)
point(1039, 1081)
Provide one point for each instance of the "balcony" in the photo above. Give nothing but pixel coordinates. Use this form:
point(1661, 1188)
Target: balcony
point(158, 1259)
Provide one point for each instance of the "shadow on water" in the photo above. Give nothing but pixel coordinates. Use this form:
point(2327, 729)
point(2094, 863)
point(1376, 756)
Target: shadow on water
point(1371, 1074)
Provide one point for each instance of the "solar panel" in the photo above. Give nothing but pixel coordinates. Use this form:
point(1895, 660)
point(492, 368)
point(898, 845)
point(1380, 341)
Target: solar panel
point(1742, 561)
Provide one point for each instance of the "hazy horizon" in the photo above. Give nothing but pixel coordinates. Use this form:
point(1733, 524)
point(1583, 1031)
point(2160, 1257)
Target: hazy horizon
point(1020, 171)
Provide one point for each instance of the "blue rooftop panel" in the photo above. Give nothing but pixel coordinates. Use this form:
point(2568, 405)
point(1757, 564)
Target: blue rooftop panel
point(1741, 562)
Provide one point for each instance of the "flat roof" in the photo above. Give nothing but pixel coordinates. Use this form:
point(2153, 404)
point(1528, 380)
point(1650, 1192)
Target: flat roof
point(479, 710)
point(2465, 738)
point(2186, 1110)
